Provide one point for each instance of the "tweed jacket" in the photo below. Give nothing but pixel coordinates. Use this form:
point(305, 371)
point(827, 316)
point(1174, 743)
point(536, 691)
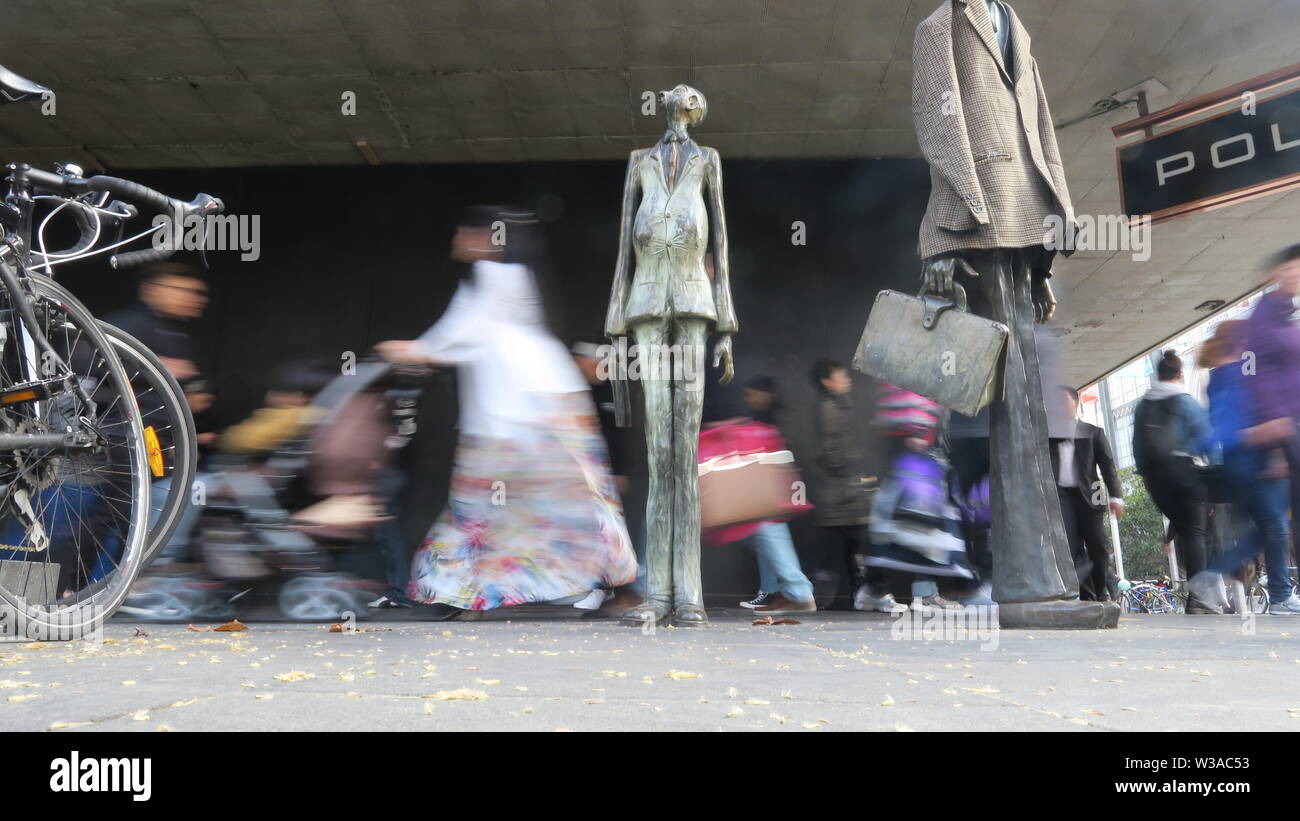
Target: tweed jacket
point(983, 124)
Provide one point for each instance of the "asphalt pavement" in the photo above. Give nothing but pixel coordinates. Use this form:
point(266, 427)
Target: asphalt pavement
point(543, 669)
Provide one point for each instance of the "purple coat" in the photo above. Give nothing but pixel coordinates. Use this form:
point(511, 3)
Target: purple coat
point(1274, 338)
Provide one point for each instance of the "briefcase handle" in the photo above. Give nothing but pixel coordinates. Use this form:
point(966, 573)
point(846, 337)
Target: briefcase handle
point(936, 305)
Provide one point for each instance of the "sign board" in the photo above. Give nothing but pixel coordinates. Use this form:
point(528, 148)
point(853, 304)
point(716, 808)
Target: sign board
point(1251, 150)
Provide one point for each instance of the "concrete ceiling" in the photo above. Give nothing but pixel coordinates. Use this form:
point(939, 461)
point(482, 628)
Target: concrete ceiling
point(186, 83)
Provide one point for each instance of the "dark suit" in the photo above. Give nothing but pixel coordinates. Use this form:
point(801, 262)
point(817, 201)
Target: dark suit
point(1083, 506)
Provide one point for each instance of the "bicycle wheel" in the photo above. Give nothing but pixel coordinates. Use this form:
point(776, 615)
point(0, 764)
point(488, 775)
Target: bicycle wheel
point(1256, 597)
point(1145, 598)
point(164, 410)
point(73, 520)
point(1177, 600)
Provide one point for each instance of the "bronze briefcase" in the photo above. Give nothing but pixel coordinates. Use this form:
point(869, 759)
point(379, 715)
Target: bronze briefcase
point(934, 347)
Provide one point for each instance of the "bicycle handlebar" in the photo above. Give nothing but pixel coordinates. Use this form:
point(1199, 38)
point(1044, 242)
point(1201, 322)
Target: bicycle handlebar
point(176, 210)
point(133, 191)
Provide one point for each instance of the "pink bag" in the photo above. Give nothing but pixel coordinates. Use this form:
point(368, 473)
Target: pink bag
point(747, 477)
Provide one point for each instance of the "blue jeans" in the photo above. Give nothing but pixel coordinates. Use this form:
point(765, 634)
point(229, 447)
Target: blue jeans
point(778, 563)
point(179, 542)
point(389, 538)
point(1262, 503)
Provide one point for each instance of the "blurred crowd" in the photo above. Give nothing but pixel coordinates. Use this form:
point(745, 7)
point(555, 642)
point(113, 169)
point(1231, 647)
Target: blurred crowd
point(541, 476)
point(1230, 462)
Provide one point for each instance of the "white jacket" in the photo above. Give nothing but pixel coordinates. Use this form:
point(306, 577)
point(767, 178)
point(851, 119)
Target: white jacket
point(495, 332)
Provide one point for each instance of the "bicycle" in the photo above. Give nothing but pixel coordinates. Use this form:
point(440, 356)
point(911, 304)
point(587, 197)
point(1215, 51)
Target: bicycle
point(1153, 597)
point(1259, 589)
point(77, 459)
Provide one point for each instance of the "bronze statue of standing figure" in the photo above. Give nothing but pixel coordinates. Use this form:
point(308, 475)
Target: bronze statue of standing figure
point(665, 299)
point(997, 181)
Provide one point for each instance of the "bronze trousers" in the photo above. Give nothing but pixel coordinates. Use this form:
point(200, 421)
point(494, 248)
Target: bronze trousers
point(1031, 554)
point(674, 401)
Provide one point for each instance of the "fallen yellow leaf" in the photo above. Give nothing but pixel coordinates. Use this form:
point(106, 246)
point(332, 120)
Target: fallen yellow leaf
point(462, 694)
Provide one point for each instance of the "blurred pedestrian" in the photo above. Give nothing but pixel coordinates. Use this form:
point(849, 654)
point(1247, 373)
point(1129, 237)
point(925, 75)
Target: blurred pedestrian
point(533, 513)
point(1171, 435)
point(1273, 342)
point(1255, 478)
point(621, 444)
point(783, 587)
point(618, 441)
point(915, 526)
point(1076, 462)
point(201, 396)
point(841, 497)
point(171, 296)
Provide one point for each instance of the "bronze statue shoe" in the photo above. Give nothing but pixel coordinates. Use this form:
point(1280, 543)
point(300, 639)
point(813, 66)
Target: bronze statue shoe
point(647, 612)
point(690, 615)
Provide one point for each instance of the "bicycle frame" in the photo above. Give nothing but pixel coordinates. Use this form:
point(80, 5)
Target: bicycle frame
point(17, 211)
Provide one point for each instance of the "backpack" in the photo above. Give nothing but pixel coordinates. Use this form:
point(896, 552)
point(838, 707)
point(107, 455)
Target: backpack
point(1156, 434)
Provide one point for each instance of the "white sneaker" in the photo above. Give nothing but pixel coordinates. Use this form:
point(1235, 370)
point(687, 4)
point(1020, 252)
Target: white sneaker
point(593, 600)
point(759, 600)
point(933, 604)
point(1207, 587)
point(1290, 607)
point(981, 599)
point(864, 599)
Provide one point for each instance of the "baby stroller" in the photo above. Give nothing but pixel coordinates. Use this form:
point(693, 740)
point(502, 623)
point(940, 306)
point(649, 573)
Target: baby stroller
point(286, 528)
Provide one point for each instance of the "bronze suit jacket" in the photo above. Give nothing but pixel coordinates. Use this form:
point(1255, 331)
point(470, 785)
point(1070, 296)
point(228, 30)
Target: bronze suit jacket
point(986, 130)
point(669, 238)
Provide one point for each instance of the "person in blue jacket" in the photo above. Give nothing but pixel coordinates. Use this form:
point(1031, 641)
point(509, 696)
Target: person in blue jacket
point(1255, 477)
point(1171, 438)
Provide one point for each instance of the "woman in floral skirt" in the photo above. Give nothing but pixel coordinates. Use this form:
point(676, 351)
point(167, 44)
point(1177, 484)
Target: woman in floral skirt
point(533, 513)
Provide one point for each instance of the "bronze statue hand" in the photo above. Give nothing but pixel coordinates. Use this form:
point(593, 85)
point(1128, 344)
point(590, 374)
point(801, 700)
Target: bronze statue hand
point(938, 275)
point(1043, 298)
point(722, 356)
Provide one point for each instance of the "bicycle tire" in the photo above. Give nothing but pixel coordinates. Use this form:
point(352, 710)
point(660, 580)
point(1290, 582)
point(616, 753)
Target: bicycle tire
point(1257, 598)
point(146, 373)
point(74, 333)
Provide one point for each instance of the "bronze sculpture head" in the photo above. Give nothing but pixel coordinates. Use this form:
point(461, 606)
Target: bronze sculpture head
point(684, 107)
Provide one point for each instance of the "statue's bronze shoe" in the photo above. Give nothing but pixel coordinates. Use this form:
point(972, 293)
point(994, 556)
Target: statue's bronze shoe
point(690, 615)
point(647, 612)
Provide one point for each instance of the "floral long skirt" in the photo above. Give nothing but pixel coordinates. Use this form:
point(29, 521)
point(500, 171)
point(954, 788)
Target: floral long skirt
point(531, 518)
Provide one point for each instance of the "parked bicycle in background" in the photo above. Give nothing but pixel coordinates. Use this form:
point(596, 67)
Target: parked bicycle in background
point(78, 458)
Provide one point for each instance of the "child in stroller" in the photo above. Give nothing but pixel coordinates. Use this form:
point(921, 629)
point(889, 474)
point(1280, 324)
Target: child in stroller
point(293, 497)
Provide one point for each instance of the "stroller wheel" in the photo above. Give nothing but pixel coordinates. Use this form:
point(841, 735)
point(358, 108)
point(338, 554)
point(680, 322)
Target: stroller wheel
point(159, 606)
point(215, 608)
point(318, 598)
point(173, 599)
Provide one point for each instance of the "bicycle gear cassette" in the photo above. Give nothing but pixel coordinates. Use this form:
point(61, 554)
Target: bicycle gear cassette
point(37, 470)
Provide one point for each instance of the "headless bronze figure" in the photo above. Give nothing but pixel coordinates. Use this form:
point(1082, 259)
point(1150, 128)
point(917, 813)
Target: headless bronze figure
point(983, 123)
point(670, 301)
